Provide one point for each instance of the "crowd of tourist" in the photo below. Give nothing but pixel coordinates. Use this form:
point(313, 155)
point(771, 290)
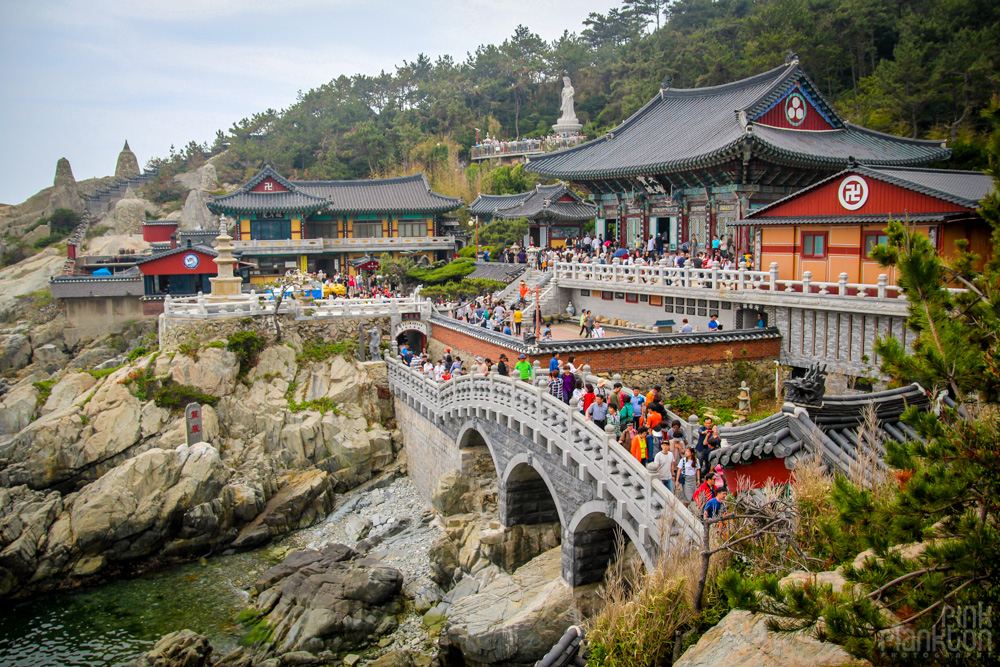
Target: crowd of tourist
point(594, 249)
point(319, 284)
point(637, 419)
point(493, 146)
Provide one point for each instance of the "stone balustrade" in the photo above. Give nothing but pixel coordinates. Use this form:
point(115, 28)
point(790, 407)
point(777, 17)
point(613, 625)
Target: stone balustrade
point(253, 304)
point(321, 245)
point(654, 278)
point(549, 430)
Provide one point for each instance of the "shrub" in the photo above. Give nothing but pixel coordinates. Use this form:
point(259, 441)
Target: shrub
point(319, 351)
point(46, 241)
point(137, 352)
point(442, 274)
point(44, 388)
point(104, 372)
point(247, 346)
point(177, 396)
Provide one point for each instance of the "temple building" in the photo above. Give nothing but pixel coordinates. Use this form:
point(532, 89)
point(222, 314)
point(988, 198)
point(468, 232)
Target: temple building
point(333, 226)
point(831, 227)
point(554, 212)
point(692, 162)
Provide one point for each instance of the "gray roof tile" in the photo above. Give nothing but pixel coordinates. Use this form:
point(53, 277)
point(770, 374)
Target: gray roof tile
point(406, 194)
point(535, 204)
point(682, 128)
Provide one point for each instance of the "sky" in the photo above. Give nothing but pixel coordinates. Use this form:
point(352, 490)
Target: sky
point(81, 77)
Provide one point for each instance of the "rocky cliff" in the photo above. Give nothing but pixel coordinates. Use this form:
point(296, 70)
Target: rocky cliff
point(95, 474)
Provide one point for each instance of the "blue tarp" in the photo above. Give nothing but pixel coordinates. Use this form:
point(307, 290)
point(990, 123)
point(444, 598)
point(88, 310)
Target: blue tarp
point(102, 272)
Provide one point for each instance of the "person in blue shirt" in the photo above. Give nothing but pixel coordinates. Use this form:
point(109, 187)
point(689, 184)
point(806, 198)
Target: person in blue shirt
point(554, 362)
point(760, 321)
point(406, 354)
point(713, 323)
point(637, 401)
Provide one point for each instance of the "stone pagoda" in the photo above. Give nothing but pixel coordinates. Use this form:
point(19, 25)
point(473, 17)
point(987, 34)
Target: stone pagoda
point(225, 285)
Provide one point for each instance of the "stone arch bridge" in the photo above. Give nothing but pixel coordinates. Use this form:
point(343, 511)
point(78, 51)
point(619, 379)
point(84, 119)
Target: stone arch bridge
point(551, 464)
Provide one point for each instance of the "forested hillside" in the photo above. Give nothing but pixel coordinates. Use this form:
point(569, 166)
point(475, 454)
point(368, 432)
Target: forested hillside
point(920, 68)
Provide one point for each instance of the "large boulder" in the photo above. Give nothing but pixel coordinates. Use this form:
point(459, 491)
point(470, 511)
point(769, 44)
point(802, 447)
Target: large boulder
point(183, 648)
point(451, 495)
point(304, 498)
point(15, 351)
point(75, 441)
point(25, 518)
point(328, 599)
point(515, 618)
point(67, 391)
point(18, 408)
point(213, 370)
point(742, 638)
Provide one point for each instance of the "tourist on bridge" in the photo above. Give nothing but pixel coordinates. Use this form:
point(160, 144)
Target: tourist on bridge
point(554, 362)
point(523, 367)
point(639, 447)
point(502, 367)
point(555, 384)
point(615, 420)
point(688, 474)
point(518, 316)
point(597, 412)
point(588, 396)
point(663, 465)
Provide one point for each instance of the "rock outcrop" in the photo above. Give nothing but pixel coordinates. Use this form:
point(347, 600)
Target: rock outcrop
point(517, 617)
point(327, 599)
point(94, 473)
point(128, 164)
point(742, 638)
point(178, 649)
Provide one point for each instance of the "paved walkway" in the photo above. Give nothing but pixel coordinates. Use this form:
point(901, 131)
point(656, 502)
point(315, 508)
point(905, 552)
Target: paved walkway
point(565, 331)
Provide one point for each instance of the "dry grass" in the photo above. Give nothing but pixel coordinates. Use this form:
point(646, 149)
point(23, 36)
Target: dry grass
point(869, 469)
point(642, 611)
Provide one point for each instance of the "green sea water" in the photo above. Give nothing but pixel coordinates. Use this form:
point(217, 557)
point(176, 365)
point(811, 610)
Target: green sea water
point(112, 624)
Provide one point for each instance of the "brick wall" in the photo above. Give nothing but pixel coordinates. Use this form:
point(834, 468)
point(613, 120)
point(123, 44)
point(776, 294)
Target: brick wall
point(702, 370)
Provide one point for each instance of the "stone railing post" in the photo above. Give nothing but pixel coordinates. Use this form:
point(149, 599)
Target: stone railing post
point(883, 283)
point(741, 276)
point(842, 287)
point(692, 431)
point(774, 277)
point(202, 309)
point(807, 277)
point(715, 274)
point(168, 305)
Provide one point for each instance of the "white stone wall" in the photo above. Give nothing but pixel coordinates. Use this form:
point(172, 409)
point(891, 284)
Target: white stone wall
point(429, 452)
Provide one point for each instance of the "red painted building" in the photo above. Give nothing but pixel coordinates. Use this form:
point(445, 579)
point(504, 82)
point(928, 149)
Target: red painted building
point(831, 227)
point(180, 271)
point(158, 231)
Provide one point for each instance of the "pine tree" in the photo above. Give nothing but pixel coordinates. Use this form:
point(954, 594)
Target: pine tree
point(935, 540)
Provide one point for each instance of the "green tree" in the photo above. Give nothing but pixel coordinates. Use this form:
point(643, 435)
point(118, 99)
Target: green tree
point(935, 538)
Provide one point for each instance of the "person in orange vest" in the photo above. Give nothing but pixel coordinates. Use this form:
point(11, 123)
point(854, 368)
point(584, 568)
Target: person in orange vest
point(524, 292)
point(639, 450)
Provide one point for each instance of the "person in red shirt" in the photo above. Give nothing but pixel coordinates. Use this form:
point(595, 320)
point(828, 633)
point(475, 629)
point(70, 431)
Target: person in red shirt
point(588, 397)
point(706, 491)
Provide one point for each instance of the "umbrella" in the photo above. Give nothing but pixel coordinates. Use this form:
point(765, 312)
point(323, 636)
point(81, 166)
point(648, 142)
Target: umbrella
point(621, 252)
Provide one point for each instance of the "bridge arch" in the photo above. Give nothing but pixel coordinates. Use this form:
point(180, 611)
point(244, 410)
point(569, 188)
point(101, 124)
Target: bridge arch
point(589, 543)
point(529, 496)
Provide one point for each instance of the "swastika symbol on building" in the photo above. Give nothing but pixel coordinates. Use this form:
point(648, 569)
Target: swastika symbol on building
point(853, 192)
point(269, 186)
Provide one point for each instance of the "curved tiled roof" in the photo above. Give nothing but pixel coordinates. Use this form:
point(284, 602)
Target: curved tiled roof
point(835, 427)
point(406, 194)
point(538, 203)
point(963, 188)
point(683, 128)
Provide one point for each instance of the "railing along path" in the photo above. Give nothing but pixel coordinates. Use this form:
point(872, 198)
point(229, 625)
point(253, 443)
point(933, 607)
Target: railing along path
point(247, 305)
point(653, 277)
point(640, 499)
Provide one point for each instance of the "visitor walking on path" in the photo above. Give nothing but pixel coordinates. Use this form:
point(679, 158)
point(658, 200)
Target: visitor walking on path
point(523, 367)
point(688, 474)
